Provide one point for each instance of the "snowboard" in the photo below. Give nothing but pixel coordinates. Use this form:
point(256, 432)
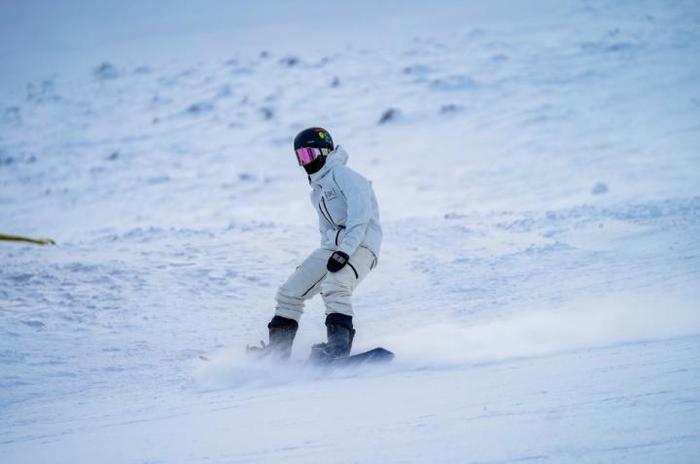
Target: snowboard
point(377, 355)
point(373, 356)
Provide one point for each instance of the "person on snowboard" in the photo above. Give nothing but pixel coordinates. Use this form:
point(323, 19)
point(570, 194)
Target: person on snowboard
point(351, 236)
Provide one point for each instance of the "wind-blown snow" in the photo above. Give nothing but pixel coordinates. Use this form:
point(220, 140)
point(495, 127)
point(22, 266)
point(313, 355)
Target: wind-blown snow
point(538, 175)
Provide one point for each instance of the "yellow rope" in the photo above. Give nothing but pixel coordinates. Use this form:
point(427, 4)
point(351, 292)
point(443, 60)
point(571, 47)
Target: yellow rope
point(18, 238)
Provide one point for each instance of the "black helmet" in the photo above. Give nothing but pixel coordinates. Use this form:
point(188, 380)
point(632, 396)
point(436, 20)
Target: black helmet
point(314, 137)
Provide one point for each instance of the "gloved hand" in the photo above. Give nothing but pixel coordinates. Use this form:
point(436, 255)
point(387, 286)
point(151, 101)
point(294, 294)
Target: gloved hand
point(337, 260)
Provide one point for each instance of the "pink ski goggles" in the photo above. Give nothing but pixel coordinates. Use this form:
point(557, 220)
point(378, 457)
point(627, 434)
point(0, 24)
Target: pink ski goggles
point(306, 155)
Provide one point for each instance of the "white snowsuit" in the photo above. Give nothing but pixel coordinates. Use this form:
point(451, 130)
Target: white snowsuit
point(348, 219)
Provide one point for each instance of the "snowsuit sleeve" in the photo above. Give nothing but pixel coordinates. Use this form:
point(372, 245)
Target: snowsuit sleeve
point(357, 192)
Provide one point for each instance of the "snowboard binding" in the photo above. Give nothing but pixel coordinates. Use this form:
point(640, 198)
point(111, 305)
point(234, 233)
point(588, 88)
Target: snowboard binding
point(340, 334)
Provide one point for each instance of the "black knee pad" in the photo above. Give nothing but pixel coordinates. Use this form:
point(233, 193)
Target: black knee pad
point(339, 319)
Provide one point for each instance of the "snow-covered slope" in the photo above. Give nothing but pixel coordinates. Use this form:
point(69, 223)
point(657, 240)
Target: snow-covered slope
point(538, 173)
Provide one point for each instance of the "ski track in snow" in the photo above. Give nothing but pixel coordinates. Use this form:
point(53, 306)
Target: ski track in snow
point(539, 184)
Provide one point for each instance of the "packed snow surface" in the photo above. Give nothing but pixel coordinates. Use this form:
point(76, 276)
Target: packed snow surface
point(537, 166)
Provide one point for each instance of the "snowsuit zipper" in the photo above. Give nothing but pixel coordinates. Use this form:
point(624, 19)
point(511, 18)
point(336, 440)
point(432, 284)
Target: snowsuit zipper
point(330, 218)
point(315, 283)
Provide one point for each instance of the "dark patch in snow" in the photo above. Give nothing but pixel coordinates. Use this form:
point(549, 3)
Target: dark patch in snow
point(113, 156)
point(224, 91)
point(246, 177)
point(144, 69)
point(416, 70)
point(606, 47)
point(322, 62)
point(389, 115)
point(577, 78)
point(6, 160)
point(154, 180)
point(267, 113)
point(34, 324)
point(244, 70)
point(42, 92)
point(453, 83)
point(599, 188)
point(21, 278)
point(335, 82)
point(264, 54)
point(499, 58)
point(106, 71)
point(12, 115)
point(289, 61)
point(200, 108)
point(450, 108)
point(545, 249)
point(476, 34)
point(545, 114)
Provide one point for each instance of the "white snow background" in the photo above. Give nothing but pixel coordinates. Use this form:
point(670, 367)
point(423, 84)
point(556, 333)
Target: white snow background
point(537, 166)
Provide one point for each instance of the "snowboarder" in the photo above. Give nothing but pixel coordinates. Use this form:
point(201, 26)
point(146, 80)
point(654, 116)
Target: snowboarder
point(351, 236)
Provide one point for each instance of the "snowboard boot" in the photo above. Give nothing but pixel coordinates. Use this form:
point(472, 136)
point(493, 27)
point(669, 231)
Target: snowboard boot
point(282, 332)
point(340, 334)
